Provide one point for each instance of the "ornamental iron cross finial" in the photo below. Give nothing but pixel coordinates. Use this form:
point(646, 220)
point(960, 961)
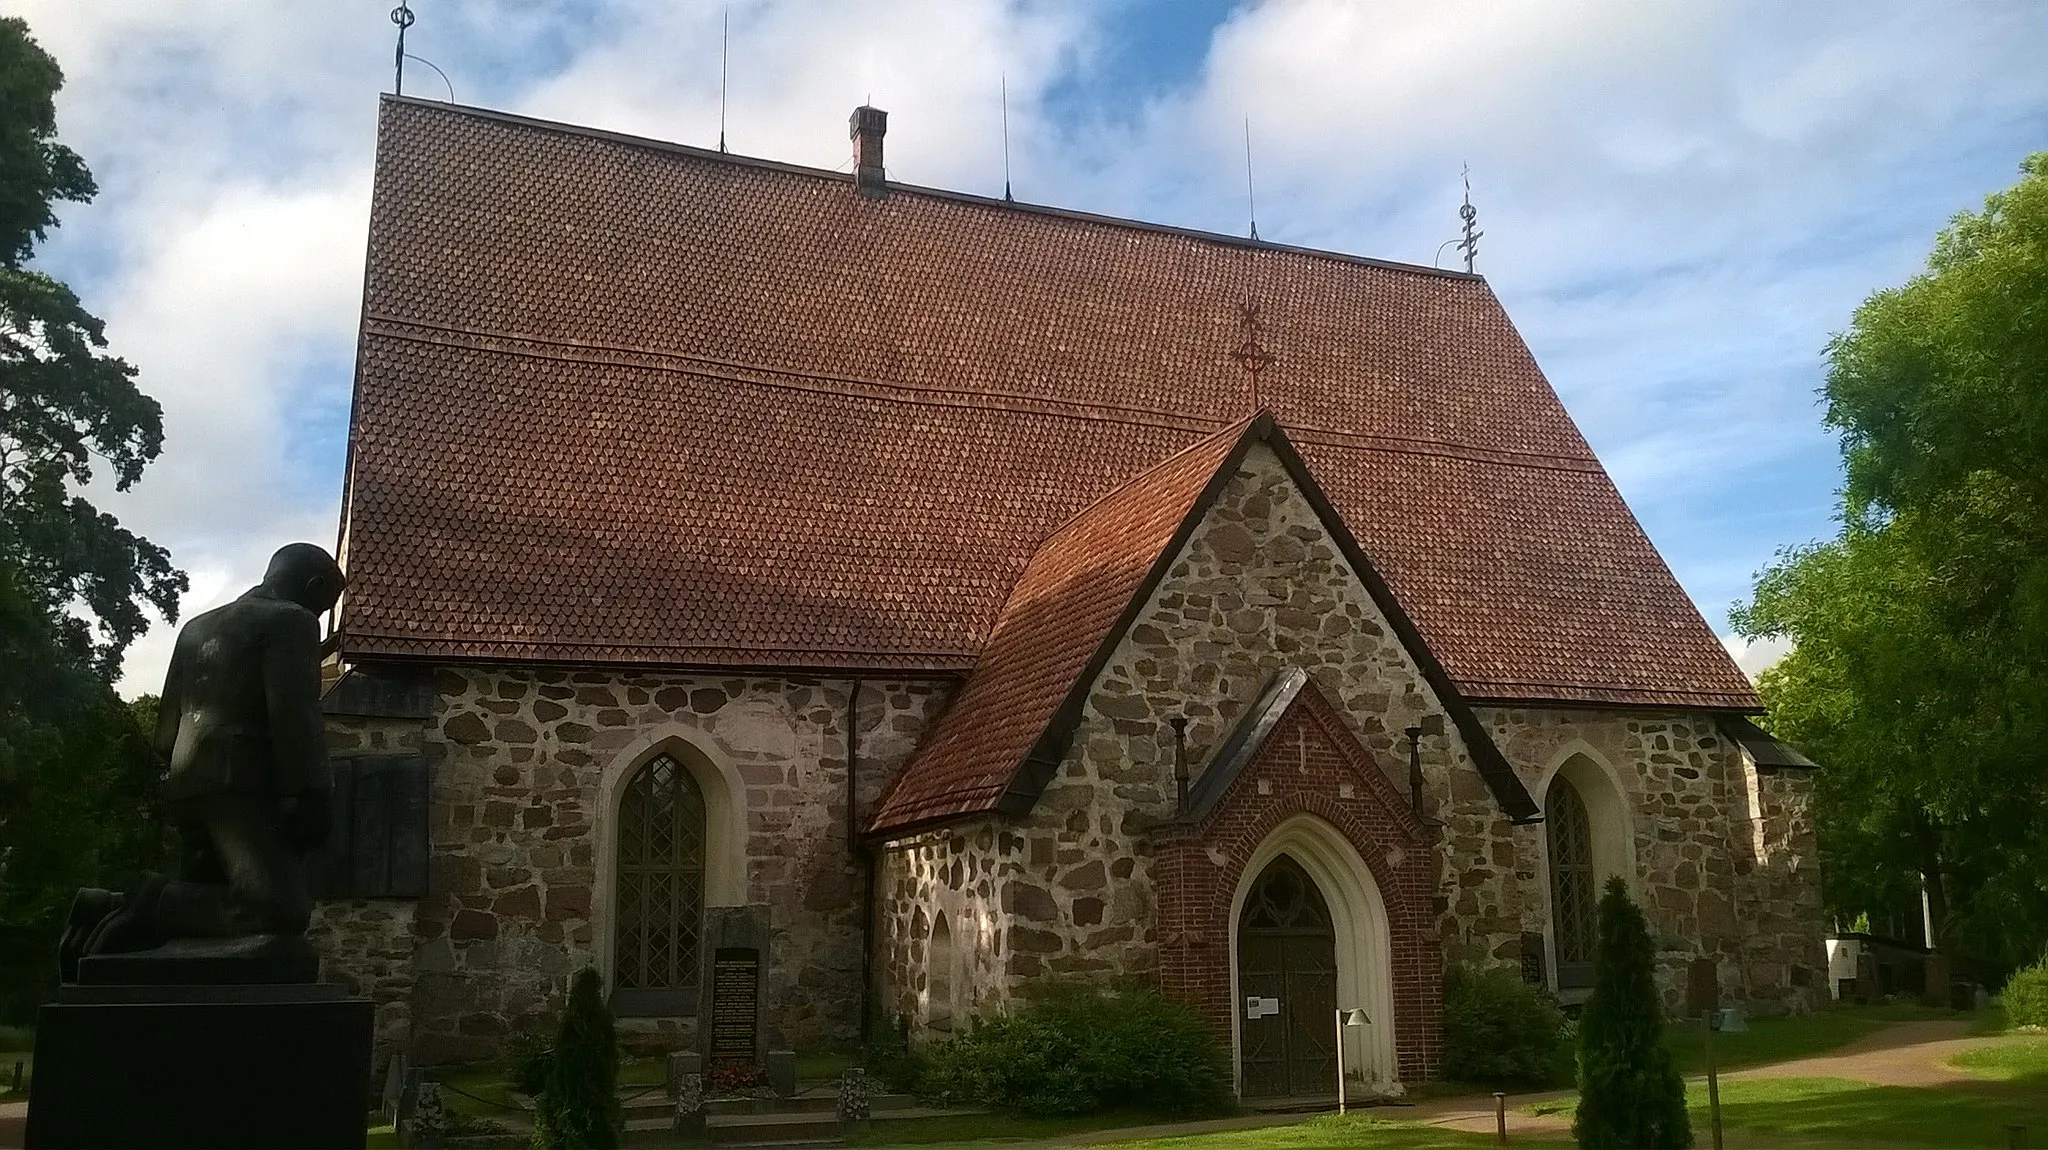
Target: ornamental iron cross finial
point(1252, 354)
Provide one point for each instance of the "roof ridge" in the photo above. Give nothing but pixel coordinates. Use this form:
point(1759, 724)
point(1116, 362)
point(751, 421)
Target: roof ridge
point(1008, 205)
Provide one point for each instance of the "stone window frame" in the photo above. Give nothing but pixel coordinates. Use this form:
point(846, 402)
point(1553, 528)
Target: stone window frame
point(1358, 913)
point(725, 827)
point(1611, 823)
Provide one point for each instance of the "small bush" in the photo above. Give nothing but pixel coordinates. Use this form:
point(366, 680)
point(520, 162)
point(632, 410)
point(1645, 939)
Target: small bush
point(1500, 1031)
point(531, 1053)
point(1078, 1050)
point(2026, 996)
point(578, 1107)
point(890, 1061)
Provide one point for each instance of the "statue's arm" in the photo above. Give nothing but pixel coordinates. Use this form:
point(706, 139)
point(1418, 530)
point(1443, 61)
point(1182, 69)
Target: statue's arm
point(291, 687)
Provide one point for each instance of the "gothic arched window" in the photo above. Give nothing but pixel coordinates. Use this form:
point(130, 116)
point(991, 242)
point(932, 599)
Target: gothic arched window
point(1574, 894)
point(660, 883)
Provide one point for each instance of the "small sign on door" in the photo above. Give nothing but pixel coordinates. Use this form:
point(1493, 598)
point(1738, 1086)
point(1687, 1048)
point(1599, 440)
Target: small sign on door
point(1256, 1007)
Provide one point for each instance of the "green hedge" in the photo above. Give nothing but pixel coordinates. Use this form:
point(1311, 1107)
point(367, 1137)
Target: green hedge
point(1077, 1050)
point(2026, 996)
point(1500, 1031)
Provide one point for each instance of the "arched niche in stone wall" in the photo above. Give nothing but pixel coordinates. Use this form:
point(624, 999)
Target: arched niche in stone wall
point(941, 982)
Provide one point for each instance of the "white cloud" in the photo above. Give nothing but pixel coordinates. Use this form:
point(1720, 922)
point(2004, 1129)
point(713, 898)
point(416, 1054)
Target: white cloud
point(1681, 200)
point(1755, 657)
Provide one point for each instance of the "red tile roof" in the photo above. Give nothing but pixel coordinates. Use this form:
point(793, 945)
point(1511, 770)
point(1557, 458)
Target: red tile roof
point(1000, 741)
point(1085, 579)
point(626, 402)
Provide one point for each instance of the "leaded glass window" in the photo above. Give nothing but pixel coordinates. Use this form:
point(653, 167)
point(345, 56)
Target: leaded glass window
point(661, 879)
point(1286, 899)
point(1573, 892)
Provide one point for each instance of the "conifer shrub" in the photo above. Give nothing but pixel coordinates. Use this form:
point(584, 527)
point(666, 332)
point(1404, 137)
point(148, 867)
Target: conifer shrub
point(1067, 1049)
point(578, 1106)
point(1630, 1095)
point(2026, 996)
point(1500, 1031)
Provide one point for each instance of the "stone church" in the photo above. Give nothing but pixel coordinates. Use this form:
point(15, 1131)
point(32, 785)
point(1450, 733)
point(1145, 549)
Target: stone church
point(979, 593)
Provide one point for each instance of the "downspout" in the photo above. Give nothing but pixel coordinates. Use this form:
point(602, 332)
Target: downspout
point(861, 857)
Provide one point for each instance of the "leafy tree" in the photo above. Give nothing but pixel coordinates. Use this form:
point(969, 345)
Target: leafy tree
point(77, 775)
point(63, 400)
point(1630, 1096)
point(578, 1108)
point(78, 794)
point(1919, 672)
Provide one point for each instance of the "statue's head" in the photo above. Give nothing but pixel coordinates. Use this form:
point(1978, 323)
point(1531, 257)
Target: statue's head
point(306, 575)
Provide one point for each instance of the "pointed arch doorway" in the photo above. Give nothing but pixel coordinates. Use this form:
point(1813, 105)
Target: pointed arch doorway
point(1287, 974)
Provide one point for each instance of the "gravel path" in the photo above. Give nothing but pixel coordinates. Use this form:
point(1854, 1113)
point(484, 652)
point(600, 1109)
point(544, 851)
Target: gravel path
point(1901, 1054)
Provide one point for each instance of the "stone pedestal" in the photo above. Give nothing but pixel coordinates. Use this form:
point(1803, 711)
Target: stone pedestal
point(257, 1065)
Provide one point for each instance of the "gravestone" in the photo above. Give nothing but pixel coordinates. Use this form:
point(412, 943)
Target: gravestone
point(1702, 987)
point(732, 1016)
point(1532, 960)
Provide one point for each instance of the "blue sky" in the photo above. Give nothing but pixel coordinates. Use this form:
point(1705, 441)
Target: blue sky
point(1682, 201)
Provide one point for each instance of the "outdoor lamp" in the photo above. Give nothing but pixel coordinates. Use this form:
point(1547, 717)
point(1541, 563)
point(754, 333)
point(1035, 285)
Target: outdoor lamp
point(1352, 1017)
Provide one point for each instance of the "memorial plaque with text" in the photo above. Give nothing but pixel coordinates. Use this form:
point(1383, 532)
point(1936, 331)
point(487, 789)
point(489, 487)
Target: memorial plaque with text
point(735, 1002)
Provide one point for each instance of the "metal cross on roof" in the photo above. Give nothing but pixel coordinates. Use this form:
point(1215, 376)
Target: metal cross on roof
point(1251, 354)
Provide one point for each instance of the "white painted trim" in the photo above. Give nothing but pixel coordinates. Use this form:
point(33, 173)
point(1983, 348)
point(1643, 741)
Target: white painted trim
point(1610, 813)
point(725, 825)
point(1365, 972)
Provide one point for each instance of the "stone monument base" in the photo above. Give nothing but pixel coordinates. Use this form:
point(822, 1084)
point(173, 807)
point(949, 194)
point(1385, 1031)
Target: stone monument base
point(256, 958)
point(262, 1065)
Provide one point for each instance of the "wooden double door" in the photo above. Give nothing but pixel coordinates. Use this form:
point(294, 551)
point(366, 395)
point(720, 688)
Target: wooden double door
point(1287, 986)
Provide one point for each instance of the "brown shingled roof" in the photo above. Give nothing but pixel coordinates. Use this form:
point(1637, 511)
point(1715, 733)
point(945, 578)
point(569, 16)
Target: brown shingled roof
point(1000, 740)
point(626, 402)
point(1064, 610)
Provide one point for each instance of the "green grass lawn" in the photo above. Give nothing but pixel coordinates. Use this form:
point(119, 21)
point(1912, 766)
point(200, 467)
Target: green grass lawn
point(991, 1127)
point(1769, 1039)
point(2021, 1058)
point(1327, 1131)
point(1825, 1113)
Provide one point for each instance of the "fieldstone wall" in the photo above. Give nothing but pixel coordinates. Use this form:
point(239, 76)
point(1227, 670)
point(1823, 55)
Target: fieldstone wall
point(959, 872)
point(366, 945)
point(1783, 935)
point(517, 757)
point(1260, 585)
point(1724, 861)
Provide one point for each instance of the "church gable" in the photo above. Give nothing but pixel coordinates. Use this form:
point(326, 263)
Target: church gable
point(1262, 583)
point(1193, 583)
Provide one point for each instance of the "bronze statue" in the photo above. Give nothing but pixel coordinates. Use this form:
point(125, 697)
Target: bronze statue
point(249, 784)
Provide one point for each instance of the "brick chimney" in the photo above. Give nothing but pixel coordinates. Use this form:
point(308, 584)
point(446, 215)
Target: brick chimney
point(867, 126)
